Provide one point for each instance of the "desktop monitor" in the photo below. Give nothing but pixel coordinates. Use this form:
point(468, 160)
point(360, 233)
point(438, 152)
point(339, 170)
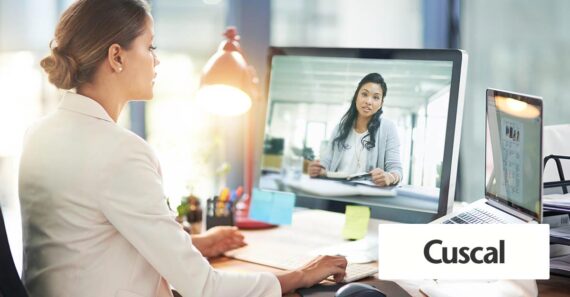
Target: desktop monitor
point(309, 91)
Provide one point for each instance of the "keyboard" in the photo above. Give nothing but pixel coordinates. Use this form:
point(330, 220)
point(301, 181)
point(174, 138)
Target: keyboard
point(354, 271)
point(474, 216)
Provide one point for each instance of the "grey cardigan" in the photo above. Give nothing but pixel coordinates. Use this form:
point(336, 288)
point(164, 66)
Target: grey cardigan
point(384, 155)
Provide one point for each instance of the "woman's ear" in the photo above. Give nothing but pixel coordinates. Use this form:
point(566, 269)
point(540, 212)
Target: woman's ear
point(115, 57)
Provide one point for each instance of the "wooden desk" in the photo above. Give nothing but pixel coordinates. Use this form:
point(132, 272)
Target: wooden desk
point(555, 287)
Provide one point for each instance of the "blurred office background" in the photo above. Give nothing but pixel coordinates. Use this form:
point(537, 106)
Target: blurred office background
point(520, 45)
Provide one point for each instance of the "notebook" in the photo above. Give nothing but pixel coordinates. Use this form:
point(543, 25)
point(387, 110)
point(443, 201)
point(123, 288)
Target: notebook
point(347, 177)
point(330, 188)
point(513, 167)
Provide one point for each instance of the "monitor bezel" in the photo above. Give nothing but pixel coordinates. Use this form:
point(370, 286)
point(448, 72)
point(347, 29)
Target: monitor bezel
point(459, 59)
point(537, 102)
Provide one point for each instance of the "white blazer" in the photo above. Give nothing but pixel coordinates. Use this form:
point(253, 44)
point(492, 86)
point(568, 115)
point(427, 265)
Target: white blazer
point(95, 219)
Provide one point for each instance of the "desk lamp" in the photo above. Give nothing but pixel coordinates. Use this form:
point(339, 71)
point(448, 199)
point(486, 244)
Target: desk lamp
point(228, 83)
point(227, 88)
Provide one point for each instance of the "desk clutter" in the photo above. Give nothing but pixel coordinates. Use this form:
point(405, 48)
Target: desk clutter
point(275, 208)
point(266, 209)
point(272, 207)
point(355, 222)
point(190, 214)
point(221, 210)
point(235, 208)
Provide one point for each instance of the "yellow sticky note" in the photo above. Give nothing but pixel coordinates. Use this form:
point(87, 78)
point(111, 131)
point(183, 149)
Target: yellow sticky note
point(356, 222)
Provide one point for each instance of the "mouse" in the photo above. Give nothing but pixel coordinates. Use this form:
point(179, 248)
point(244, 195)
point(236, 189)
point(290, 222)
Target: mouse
point(358, 290)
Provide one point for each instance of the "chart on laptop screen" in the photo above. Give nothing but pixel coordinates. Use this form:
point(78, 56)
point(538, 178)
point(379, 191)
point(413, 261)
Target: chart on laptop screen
point(316, 104)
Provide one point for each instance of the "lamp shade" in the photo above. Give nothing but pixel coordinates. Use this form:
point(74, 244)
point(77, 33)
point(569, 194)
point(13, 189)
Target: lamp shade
point(228, 83)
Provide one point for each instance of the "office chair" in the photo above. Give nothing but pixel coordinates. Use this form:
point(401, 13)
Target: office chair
point(557, 149)
point(563, 183)
point(10, 283)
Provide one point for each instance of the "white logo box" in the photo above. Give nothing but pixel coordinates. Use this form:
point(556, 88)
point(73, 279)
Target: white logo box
point(523, 254)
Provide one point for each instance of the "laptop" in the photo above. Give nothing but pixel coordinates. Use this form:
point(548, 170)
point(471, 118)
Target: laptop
point(513, 163)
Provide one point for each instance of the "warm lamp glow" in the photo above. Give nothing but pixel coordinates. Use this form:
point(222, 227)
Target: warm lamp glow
point(223, 100)
point(517, 108)
point(516, 105)
point(228, 83)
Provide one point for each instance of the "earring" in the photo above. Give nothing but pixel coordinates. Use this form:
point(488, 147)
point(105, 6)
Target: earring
point(120, 69)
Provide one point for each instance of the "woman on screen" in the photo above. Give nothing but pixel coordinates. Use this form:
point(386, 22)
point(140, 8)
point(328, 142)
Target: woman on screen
point(94, 215)
point(363, 141)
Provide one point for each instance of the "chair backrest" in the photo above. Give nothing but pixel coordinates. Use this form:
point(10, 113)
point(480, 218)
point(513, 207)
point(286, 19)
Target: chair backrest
point(10, 283)
point(556, 141)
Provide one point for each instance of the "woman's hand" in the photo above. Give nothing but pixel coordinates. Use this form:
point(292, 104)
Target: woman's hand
point(322, 267)
point(313, 273)
point(382, 178)
point(316, 169)
point(218, 240)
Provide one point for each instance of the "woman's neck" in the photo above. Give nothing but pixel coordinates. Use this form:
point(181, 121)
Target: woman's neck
point(361, 124)
point(109, 100)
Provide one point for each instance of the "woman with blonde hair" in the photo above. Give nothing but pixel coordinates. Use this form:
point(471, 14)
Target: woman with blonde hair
point(95, 219)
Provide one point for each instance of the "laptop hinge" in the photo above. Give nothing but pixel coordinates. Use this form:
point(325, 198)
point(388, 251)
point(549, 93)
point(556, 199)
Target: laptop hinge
point(510, 211)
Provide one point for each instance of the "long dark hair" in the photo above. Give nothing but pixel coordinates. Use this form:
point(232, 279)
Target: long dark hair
point(347, 121)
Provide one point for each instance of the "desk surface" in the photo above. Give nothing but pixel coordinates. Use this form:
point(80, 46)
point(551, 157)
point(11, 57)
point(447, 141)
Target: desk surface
point(555, 287)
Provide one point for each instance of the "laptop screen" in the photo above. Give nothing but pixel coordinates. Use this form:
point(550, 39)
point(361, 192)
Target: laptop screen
point(514, 151)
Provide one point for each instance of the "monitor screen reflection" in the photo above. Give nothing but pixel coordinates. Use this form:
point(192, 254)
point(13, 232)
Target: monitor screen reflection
point(381, 122)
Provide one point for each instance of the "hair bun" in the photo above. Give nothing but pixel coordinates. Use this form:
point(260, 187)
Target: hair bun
point(61, 69)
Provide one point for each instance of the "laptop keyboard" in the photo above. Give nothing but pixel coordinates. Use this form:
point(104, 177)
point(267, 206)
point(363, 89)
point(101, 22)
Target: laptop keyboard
point(474, 216)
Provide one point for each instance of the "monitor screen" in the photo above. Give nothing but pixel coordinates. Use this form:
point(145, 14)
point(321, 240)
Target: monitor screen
point(390, 112)
point(513, 151)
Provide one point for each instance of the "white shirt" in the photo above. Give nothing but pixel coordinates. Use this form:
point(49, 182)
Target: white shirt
point(355, 156)
point(95, 219)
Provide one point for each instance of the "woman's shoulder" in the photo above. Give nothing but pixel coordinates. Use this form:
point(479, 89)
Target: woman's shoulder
point(388, 121)
point(117, 141)
point(335, 131)
point(129, 141)
point(387, 124)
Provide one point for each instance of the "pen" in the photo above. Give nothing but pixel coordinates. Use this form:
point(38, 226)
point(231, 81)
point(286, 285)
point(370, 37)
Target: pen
point(224, 195)
point(219, 205)
point(210, 206)
point(239, 195)
point(239, 191)
point(359, 176)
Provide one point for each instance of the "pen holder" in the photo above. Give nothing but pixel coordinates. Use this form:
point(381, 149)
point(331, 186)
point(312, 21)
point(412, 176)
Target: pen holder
point(219, 213)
